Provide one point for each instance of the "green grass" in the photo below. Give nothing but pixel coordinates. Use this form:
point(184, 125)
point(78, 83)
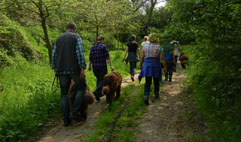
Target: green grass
point(26, 98)
point(116, 121)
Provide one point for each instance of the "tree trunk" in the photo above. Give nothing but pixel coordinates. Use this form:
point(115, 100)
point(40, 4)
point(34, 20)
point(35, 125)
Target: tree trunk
point(47, 40)
point(97, 31)
point(43, 17)
point(153, 3)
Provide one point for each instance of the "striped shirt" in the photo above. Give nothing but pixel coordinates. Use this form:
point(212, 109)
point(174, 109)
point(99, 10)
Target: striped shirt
point(98, 55)
point(151, 50)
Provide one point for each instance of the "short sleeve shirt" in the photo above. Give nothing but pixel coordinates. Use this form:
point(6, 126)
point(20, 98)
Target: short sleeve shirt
point(132, 46)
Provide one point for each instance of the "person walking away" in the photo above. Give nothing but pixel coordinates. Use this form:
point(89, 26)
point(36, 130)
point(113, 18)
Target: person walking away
point(151, 66)
point(169, 59)
point(145, 40)
point(68, 62)
point(97, 59)
point(177, 51)
point(132, 49)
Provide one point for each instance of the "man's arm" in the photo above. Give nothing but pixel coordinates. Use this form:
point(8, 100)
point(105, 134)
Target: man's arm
point(81, 57)
point(53, 58)
point(109, 62)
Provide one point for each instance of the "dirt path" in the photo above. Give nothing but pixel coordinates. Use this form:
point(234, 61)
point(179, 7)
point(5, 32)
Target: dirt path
point(165, 119)
point(79, 132)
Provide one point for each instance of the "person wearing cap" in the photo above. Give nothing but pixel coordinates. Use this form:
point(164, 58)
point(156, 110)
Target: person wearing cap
point(99, 54)
point(151, 66)
point(68, 62)
point(132, 49)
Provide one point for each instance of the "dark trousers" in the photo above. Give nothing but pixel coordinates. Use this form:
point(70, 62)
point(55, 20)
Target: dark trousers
point(65, 80)
point(132, 67)
point(99, 73)
point(175, 65)
point(168, 74)
point(148, 86)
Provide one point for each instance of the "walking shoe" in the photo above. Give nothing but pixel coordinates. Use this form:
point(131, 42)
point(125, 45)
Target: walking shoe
point(146, 102)
point(157, 96)
point(132, 78)
point(76, 118)
point(67, 122)
point(165, 79)
point(97, 97)
point(170, 80)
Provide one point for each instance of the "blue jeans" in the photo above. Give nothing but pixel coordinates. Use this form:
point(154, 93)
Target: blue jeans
point(148, 86)
point(132, 67)
point(65, 80)
point(99, 73)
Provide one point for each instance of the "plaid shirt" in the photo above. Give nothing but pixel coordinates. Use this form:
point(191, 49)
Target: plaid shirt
point(151, 50)
point(98, 55)
point(80, 56)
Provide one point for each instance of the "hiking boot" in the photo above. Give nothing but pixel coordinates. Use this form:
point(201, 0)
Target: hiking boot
point(97, 97)
point(170, 80)
point(146, 102)
point(165, 79)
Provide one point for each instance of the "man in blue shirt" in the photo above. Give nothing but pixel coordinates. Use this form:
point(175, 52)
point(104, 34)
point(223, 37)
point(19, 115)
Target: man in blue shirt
point(68, 62)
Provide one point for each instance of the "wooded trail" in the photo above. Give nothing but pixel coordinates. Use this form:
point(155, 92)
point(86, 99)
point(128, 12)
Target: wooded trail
point(80, 131)
point(164, 121)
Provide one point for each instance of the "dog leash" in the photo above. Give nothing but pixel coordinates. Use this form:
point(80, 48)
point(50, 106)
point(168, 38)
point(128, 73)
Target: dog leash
point(56, 76)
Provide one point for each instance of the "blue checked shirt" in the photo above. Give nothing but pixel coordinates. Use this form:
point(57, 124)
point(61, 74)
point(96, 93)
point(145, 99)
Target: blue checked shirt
point(80, 56)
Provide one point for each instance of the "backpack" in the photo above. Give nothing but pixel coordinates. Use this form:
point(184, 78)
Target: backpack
point(168, 52)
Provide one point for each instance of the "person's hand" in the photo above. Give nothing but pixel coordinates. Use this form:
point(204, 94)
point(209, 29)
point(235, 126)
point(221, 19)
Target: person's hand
point(165, 69)
point(140, 66)
point(82, 74)
point(111, 68)
point(173, 61)
point(89, 69)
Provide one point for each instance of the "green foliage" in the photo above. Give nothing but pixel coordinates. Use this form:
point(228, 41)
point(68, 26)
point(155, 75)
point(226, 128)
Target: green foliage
point(13, 42)
point(26, 99)
point(214, 73)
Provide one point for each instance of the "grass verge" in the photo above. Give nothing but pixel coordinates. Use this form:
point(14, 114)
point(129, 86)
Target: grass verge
point(116, 121)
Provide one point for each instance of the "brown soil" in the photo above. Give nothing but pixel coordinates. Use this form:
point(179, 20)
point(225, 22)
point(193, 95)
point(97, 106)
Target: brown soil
point(173, 117)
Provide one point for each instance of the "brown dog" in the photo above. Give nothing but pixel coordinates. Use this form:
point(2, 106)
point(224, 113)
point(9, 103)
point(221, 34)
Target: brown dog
point(88, 99)
point(184, 60)
point(112, 86)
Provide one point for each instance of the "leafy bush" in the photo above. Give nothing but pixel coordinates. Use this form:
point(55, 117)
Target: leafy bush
point(215, 73)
